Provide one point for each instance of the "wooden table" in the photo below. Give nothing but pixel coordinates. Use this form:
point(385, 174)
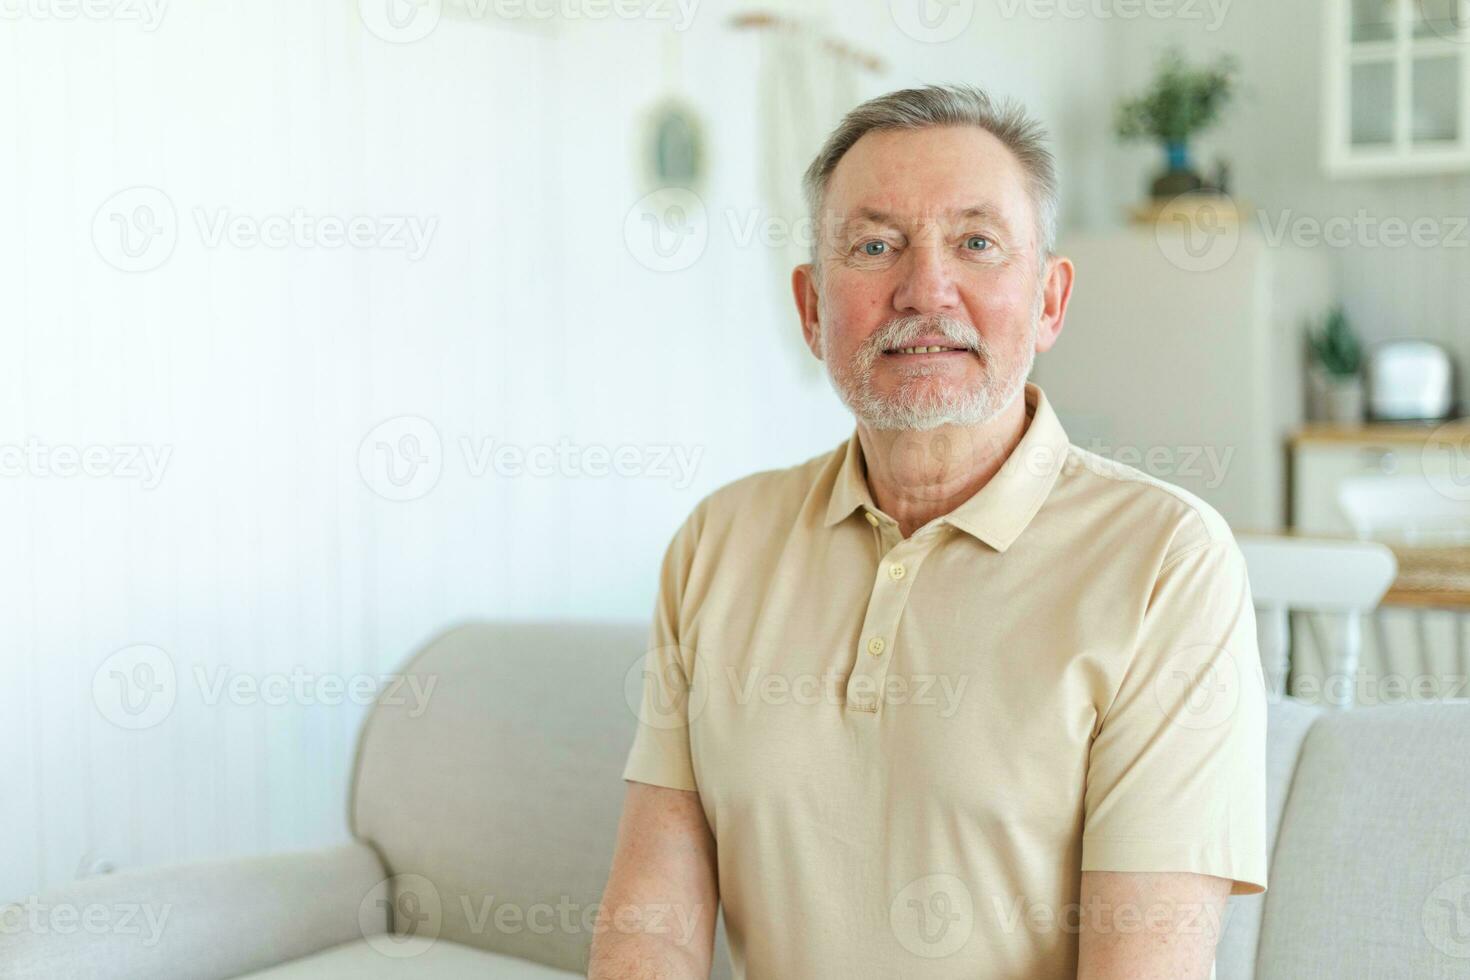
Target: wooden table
point(1436, 578)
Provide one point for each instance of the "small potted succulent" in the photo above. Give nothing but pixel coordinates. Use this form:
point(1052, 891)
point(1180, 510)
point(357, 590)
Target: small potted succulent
point(1183, 102)
point(1337, 358)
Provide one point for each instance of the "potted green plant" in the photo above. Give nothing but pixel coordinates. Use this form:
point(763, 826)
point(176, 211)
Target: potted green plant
point(1337, 358)
point(1183, 102)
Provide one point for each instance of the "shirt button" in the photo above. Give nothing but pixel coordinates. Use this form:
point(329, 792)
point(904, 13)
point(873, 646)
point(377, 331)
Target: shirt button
point(896, 572)
point(876, 645)
point(871, 519)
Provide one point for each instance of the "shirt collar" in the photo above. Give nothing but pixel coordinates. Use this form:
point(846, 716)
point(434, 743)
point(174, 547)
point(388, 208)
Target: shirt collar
point(1000, 510)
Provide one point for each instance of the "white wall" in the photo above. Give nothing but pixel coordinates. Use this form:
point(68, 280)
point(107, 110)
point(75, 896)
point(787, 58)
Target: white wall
point(258, 373)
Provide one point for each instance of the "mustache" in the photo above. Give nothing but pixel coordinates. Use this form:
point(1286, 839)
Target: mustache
point(904, 330)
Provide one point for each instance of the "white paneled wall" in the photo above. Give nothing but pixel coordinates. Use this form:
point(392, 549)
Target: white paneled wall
point(261, 553)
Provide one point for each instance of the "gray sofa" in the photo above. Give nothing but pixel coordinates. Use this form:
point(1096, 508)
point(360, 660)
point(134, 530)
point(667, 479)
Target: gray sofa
point(486, 824)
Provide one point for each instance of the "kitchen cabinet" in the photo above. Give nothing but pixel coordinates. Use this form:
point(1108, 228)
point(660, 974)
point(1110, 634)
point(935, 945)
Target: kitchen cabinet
point(1396, 87)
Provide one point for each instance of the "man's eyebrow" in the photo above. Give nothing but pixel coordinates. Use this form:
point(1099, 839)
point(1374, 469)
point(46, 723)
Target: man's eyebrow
point(869, 216)
point(984, 211)
point(873, 216)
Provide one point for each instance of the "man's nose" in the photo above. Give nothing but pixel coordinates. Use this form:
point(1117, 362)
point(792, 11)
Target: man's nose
point(928, 284)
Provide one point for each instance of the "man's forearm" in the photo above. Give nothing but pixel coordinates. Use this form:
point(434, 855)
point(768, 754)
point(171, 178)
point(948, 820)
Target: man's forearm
point(639, 956)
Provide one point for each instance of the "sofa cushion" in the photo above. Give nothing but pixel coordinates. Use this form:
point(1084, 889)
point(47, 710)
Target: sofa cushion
point(207, 920)
point(1287, 724)
point(1371, 874)
point(500, 790)
point(363, 960)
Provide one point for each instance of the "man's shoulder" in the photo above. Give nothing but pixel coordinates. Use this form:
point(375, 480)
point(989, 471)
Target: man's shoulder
point(768, 495)
point(1122, 493)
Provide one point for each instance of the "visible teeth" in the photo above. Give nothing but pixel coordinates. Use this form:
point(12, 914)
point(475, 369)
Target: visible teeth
point(923, 350)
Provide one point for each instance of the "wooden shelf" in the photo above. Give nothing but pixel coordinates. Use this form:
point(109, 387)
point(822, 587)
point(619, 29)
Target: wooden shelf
point(1376, 432)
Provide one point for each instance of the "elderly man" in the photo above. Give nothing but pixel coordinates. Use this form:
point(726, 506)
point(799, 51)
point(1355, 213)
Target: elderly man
point(956, 699)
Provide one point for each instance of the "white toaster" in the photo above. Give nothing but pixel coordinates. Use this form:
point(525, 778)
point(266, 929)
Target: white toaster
point(1410, 381)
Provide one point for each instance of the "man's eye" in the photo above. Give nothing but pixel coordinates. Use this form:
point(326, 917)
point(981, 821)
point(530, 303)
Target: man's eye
point(874, 248)
point(977, 242)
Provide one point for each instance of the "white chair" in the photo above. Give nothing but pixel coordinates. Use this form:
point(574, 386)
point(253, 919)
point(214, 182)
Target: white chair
point(1407, 511)
point(1341, 579)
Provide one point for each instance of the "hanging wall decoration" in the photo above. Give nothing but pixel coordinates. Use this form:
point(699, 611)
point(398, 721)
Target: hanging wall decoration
point(808, 80)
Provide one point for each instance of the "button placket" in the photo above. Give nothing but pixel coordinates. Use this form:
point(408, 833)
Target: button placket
point(893, 579)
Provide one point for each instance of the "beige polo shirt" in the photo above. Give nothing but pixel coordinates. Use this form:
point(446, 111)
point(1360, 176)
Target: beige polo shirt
point(909, 750)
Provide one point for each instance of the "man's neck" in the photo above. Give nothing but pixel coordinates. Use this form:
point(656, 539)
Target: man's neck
point(915, 477)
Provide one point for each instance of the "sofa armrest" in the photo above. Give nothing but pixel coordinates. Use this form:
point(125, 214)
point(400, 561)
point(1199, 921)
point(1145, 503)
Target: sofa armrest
point(202, 921)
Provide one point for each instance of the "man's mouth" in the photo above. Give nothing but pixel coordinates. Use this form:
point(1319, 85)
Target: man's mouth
point(928, 350)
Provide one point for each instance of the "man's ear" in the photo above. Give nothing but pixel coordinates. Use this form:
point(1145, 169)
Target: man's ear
point(1056, 294)
point(804, 291)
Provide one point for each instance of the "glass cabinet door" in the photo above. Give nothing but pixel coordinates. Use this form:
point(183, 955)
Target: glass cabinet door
point(1374, 20)
point(1373, 104)
point(1439, 18)
point(1397, 85)
point(1435, 105)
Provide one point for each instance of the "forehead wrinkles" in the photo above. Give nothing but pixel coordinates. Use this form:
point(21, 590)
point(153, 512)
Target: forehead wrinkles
point(923, 220)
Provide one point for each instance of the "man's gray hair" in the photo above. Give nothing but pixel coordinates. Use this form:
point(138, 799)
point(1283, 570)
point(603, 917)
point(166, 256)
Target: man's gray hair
point(944, 105)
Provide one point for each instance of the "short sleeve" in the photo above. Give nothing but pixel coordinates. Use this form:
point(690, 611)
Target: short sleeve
point(661, 752)
point(1176, 777)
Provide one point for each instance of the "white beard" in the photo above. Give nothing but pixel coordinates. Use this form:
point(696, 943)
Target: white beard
point(918, 405)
